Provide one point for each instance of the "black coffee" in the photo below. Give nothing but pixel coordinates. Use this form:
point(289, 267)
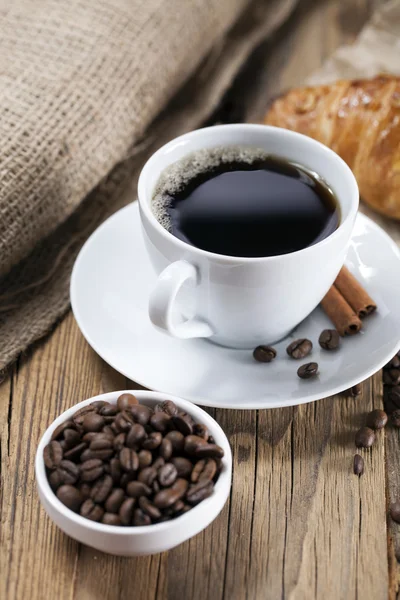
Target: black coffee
point(257, 206)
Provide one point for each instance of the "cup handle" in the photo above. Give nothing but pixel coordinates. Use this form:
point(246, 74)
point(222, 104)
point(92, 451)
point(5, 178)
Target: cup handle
point(162, 300)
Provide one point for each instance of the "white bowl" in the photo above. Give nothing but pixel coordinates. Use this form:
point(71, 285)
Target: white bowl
point(137, 541)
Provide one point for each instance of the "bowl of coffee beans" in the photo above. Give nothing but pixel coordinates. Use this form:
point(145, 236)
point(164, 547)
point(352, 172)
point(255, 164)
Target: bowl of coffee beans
point(133, 473)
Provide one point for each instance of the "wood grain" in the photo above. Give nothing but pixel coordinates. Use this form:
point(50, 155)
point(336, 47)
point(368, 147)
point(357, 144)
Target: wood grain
point(298, 524)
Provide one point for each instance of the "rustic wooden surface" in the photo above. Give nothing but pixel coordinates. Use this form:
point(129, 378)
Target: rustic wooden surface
point(298, 525)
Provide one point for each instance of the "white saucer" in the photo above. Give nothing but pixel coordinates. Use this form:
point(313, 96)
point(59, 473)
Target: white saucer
point(110, 286)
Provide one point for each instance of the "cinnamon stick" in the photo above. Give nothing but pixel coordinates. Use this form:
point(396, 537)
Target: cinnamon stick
point(354, 293)
point(340, 312)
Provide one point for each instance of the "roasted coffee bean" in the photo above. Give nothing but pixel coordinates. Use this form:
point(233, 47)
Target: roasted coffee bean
point(91, 511)
point(109, 410)
point(76, 452)
point(140, 518)
point(264, 354)
point(395, 417)
point(177, 507)
point(376, 419)
point(107, 430)
point(358, 465)
point(141, 414)
point(114, 500)
point(55, 480)
point(57, 433)
point(167, 474)
point(85, 490)
point(127, 478)
point(329, 339)
point(147, 475)
point(135, 436)
point(111, 519)
point(205, 468)
point(52, 454)
point(159, 462)
point(192, 443)
point(102, 489)
point(395, 511)
point(89, 436)
point(393, 364)
point(391, 396)
point(209, 451)
point(365, 437)
point(126, 511)
point(200, 430)
point(115, 469)
point(183, 423)
point(149, 508)
point(308, 370)
point(71, 438)
point(391, 377)
point(135, 489)
point(93, 422)
point(183, 466)
point(68, 472)
point(159, 421)
point(152, 441)
point(211, 440)
point(70, 496)
point(177, 440)
point(98, 404)
point(169, 407)
point(145, 458)
point(84, 411)
point(92, 469)
point(198, 492)
point(156, 486)
point(126, 400)
point(299, 348)
point(186, 508)
point(166, 449)
point(123, 422)
point(169, 496)
point(356, 390)
point(102, 442)
point(119, 442)
point(129, 460)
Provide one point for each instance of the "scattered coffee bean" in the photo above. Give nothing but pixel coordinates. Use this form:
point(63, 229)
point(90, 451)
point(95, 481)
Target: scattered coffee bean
point(264, 354)
point(365, 437)
point(70, 496)
point(329, 339)
point(393, 364)
point(308, 370)
point(355, 390)
point(358, 465)
point(395, 417)
point(299, 348)
point(395, 511)
point(125, 401)
point(376, 419)
point(125, 464)
point(53, 454)
point(391, 377)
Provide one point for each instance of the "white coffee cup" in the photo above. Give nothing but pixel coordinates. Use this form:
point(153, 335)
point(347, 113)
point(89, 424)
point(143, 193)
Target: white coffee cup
point(243, 302)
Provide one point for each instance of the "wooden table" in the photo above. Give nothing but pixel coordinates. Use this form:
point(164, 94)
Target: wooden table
point(298, 524)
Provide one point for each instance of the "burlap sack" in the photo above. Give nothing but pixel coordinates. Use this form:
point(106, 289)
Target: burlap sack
point(81, 85)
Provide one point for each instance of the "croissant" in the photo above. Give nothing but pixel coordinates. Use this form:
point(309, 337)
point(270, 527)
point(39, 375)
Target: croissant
point(360, 120)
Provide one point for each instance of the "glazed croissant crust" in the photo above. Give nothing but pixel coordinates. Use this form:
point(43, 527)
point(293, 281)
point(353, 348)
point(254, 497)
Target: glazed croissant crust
point(360, 120)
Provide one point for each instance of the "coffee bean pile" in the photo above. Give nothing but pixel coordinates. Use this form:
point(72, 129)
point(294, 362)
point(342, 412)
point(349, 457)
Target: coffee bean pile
point(298, 349)
point(127, 464)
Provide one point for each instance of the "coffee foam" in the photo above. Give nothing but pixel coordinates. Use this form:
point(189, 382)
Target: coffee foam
point(177, 175)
